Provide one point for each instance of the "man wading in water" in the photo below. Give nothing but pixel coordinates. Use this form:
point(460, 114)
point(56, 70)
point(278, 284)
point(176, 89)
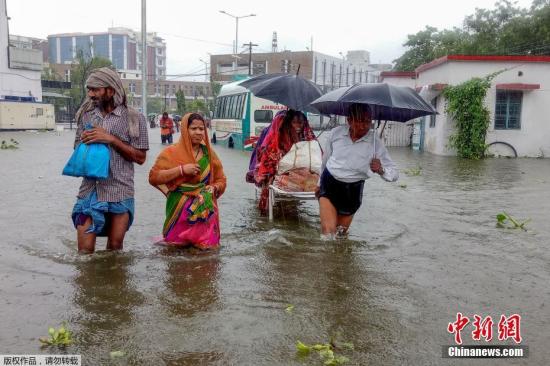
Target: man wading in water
point(106, 207)
point(348, 160)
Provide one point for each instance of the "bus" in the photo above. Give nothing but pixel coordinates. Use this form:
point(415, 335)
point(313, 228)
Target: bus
point(239, 116)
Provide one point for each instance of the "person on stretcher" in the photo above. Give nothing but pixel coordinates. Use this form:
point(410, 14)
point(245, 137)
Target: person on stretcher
point(287, 129)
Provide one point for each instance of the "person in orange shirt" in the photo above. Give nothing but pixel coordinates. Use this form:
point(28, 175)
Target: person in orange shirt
point(166, 129)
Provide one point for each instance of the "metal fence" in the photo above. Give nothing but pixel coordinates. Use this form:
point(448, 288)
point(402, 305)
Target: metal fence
point(397, 134)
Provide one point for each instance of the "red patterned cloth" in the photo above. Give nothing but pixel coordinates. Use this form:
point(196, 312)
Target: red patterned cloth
point(277, 143)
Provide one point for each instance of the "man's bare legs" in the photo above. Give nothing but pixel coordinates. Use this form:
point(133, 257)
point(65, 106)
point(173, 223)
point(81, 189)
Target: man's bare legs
point(86, 241)
point(331, 222)
point(118, 225)
point(117, 230)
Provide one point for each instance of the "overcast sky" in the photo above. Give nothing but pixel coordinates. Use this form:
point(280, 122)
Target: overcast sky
point(192, 29)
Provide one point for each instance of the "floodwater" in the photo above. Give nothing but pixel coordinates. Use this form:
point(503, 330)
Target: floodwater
point(416, 256)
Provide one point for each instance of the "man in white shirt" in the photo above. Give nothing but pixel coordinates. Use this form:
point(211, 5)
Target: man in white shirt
point(348, 160)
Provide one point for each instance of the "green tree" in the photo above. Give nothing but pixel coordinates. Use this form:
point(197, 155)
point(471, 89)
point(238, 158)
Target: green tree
point(504, 30)
point(180, 102)
point(81, 68)
point(155, 105)
point(197, 105)
point(215, 88)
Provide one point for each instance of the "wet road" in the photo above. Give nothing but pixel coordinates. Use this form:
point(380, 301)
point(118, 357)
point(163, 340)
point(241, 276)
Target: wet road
point(415, 257)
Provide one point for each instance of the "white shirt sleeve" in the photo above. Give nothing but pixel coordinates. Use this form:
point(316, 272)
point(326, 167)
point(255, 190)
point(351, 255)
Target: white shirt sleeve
point(391, 173)
point(327, 151)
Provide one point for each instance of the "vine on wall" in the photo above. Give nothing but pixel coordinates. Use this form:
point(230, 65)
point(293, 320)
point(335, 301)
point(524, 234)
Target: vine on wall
point(465, 104)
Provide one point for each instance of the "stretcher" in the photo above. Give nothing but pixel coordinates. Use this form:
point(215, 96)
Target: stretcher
point(276, 194)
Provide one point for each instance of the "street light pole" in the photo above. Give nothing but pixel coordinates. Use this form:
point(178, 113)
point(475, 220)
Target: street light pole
point(342, 69)
point(235, 50)
point(143, 58)
point(205, 69)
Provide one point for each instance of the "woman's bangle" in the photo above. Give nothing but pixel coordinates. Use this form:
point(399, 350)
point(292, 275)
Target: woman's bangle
point(181, 170)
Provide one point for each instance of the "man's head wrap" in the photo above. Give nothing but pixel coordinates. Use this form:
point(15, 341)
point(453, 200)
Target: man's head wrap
point(106, 77)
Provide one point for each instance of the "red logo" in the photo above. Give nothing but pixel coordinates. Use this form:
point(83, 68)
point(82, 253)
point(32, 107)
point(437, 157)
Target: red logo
point(508, 327)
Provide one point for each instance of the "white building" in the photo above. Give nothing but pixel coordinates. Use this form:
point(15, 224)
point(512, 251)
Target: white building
point(20, 68)
point(20, 84)
point(518, 101)
point(399, 78)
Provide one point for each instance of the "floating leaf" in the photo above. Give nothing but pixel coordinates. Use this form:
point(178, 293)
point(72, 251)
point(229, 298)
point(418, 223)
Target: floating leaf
point(115, 354)
point(336, 361)
point(413, 171)
point(289, 308)
point(326, 354)
point(302, 348)
point(503, 220)
point(60, 337)
point(321, 347)
point(402, 186)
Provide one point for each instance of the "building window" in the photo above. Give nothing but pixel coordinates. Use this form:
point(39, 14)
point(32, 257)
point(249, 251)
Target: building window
point(157, 88)
point(132, 88)
point(432, 117)
point(508, 110)
point(68, 75)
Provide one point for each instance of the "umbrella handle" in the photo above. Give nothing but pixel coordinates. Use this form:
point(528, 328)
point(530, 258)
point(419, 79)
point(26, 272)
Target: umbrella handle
point(374, 141)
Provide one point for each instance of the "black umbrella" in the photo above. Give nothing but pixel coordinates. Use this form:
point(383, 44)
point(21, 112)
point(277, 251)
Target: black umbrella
point(291, 90)
point(387, 102)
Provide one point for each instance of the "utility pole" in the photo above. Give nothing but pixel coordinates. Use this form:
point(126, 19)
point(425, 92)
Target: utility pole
point(144, 58)
point(165, 93)
point(205, 69)
point(250, 45)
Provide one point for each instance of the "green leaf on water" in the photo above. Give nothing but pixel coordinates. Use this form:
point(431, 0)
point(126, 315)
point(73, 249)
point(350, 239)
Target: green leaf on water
point(504, 220)
point(289, 308)
point(413, 172)
point(402, 186)
point(326, 353)
point(61, 337)
point(336, 361)
point(302, 348)
point(501, 218)
point(321, 347)
point(115, 354)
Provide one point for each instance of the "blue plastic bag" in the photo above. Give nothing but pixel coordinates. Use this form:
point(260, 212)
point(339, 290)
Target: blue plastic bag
point(89, 160)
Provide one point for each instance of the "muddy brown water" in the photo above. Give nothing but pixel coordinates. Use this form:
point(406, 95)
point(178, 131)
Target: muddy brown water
point(415, 257)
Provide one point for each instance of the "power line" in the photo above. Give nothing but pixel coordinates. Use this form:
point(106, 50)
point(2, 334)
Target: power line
point(197, 39)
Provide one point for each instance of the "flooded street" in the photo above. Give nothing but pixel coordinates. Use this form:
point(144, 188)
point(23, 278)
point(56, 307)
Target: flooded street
point(416, 256)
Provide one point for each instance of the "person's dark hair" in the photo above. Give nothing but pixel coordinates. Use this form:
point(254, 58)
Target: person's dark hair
point(357, 110)
point(193, 117)
point(165, 114)
point(289, 116)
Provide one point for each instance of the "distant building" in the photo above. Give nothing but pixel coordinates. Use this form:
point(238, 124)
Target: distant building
point(30, 43)
point(120, 45)
point(326, 71)
point(20, 88)
point(375, 70)
point(20, 68)
point(399, 78)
